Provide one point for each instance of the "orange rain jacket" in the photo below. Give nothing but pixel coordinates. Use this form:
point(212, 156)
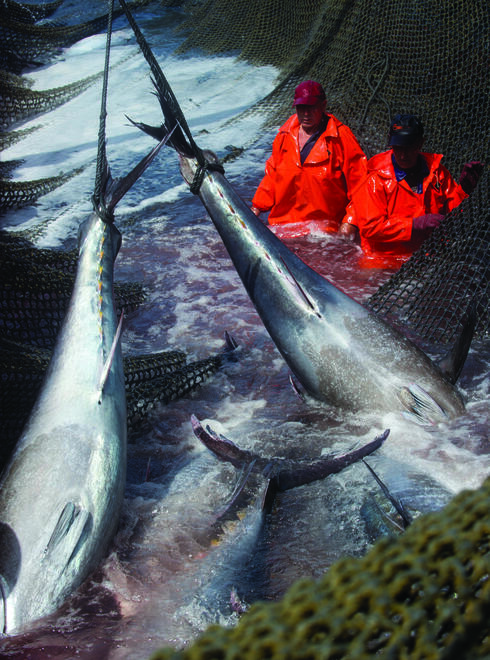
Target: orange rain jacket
point(383, 208)
point(317, 191)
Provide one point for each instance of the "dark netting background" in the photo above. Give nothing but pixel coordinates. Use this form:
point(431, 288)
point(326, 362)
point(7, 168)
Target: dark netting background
point(375, 59)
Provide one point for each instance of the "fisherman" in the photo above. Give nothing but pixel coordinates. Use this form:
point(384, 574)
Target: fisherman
point(404, 197)
point(315, 164)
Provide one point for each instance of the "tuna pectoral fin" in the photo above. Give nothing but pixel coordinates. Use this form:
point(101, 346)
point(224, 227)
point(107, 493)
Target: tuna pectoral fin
point(399, 508)
point(377, 522)
point(110, 358)
point(68, 534)
point(421, 407)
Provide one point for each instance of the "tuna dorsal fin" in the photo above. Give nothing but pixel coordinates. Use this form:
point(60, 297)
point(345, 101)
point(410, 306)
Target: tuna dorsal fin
point(240, 485)
point(452, 364)
point(67, 534)
point(269, 495)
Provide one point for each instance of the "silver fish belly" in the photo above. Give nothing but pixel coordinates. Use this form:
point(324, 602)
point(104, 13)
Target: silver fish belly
point(61, 491)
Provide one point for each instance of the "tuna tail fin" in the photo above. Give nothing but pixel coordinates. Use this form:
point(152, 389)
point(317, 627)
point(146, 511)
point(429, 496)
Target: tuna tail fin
point(453, 363)
point(169, 104)
point(223, 448)
point(115, 189)
point(303, 474)
point(178, 140)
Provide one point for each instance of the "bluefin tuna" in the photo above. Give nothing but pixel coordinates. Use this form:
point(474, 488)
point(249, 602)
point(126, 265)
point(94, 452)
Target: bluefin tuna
point(62, 489)
point(338, 350)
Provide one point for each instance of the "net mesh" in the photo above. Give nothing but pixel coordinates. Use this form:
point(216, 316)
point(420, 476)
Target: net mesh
point(24, 44)
point(15, 194)
point(30, 13)
point(152, 379)
point(18, 102)
point(375, 60)
point(35, 291)
point(425, 595)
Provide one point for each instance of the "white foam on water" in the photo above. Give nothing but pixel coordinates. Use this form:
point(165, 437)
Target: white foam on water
point(194, 296)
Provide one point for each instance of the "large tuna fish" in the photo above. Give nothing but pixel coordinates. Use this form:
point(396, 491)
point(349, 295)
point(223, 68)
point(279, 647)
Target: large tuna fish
point(61, 491)
point(338, 350)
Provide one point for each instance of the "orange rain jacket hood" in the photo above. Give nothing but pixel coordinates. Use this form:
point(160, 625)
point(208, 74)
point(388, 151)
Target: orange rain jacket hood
point(383, 208)
point(317, 191)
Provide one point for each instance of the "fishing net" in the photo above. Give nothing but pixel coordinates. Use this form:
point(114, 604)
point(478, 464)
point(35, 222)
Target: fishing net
point(24, 45)
point(28, 13)
point(434, 289)
point(18, 102)
point(150, 379)
point(35, 291)
point(145, 394)
point(15, 194)
point(7, 140)
point(374, 60)
point(425, 594)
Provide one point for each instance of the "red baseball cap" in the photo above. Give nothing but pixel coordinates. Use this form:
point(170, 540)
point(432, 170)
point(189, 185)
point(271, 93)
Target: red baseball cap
point(308, 92)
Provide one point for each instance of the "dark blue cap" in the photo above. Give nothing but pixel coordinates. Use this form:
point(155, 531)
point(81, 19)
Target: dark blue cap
point(405, 131)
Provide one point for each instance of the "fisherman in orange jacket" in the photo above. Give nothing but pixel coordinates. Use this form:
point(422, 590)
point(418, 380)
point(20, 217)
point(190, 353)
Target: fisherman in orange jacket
point(405, 196)
point(315, 164)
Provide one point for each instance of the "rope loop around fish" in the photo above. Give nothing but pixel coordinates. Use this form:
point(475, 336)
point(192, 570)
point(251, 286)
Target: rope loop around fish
point(200, 173)
point(102, 211)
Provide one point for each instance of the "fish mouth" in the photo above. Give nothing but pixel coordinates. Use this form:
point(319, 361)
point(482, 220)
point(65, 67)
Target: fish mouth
point(3, 605)
point(10, 564)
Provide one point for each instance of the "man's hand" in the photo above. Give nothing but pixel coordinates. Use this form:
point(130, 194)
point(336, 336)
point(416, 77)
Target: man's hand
point(470, 175)
point(348, 231)
point(425, 224)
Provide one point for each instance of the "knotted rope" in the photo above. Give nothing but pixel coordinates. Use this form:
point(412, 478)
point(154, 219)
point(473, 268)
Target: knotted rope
point(102, 169)
point(168, 99)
